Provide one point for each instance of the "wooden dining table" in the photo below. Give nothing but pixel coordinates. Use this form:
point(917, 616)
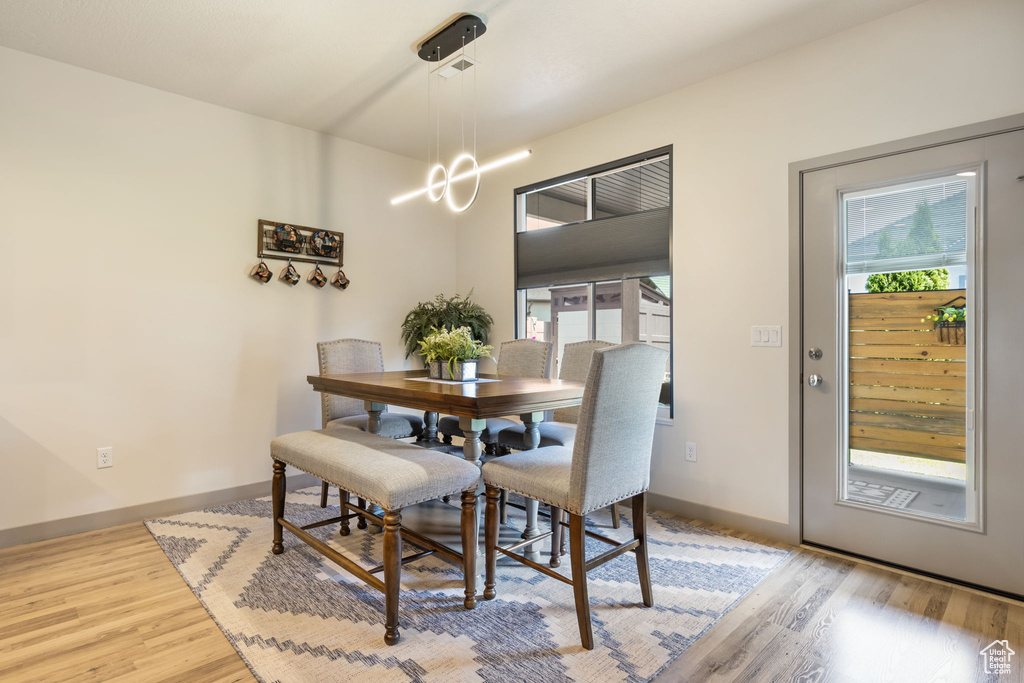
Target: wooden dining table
point(471, 402)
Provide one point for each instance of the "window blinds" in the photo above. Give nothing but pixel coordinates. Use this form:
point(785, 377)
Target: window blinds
point(619, 247)
point(915, 228)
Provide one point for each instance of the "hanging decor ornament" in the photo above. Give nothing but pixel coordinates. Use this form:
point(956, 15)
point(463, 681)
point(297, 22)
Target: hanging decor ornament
point(445, 54)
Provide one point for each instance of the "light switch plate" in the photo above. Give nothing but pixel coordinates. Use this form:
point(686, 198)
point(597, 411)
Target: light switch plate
point(766, 335)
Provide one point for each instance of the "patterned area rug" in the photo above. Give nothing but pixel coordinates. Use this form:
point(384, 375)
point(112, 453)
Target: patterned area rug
point(298, 617)
point(879, 494)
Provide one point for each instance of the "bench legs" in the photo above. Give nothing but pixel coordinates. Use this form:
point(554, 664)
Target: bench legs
point(469, 536)
point(490, 541)
point(392, 574)
point(277, 496)
point(392, 564)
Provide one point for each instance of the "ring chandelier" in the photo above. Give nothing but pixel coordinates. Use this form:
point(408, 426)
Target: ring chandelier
point(446, 42)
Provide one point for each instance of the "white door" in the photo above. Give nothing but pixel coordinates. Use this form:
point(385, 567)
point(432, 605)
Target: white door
point(913, 400)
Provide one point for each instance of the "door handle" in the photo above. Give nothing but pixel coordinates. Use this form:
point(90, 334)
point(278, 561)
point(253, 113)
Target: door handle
point(814, 380)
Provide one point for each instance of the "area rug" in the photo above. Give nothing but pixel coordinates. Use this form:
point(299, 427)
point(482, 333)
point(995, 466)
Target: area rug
point(298, 617)
point(879, 494)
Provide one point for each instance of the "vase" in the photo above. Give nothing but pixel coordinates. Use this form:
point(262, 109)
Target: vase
point(434, 369)
point(460, 370)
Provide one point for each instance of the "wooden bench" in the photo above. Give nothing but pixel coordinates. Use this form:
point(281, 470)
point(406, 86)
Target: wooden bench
point(391, 474)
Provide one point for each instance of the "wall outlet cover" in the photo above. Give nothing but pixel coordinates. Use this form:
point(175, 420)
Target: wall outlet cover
point(104, 457)
point(691, 451)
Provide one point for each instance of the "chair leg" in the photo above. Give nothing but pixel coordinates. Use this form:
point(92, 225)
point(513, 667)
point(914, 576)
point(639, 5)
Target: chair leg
point(277, 496)
point(343, 496)
point(643, 565)
point(446, 439)
point(469, 536)
point(323, 494)
point(556, 536)
point(392, 574)
point(503, 506)
point(578, 560)
point(615, 516)
point(490, 541)
point(361, 523)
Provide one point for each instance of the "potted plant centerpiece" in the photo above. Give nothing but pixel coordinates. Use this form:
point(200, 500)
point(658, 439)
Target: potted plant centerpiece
point(453, 354)
point(444, 312)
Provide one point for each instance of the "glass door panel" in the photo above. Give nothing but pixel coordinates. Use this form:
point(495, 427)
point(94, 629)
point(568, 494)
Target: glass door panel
point(908, 274)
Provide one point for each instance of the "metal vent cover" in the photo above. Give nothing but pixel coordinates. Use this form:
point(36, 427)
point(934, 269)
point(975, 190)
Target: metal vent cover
point(456, 66)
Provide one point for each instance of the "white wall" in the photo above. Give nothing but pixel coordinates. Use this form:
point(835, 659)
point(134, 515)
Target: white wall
point(937, 65)
point(127, 317)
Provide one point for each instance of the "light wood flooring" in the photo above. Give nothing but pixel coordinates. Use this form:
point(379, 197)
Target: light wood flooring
point(109, 606)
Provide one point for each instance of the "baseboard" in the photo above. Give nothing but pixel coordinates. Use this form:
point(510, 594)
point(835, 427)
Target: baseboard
point(44, 531)
point(766, 529)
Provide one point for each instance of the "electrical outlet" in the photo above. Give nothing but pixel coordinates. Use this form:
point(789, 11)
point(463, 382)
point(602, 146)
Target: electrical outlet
point(691, 451)
point(104, 457)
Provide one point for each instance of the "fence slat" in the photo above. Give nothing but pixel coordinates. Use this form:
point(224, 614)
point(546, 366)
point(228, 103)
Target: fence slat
point(916, 450)
point(889, 337)
point(874, 405)
point(939, 425)
point(912, 367)
point(889, 323)
point(907, 436)
point(908, 351)
point(940, 396)
point(895, 379)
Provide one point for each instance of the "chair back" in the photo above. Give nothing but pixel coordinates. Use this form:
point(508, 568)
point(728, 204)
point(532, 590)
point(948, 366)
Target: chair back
point(525, 358)
point(611, 458)
point(575, 366)
point(342, 357)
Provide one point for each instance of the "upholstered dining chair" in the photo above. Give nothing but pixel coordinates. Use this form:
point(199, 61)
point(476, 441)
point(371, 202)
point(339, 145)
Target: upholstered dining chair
point(516, 358)
point(561, 430)
point(610, 461)
point(347, 356)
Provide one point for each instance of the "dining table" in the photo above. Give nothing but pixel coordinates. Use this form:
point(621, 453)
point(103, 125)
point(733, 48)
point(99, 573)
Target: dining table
point(472, 402)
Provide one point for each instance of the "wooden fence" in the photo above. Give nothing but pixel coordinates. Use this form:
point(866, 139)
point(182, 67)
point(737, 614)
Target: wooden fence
point(908, 389)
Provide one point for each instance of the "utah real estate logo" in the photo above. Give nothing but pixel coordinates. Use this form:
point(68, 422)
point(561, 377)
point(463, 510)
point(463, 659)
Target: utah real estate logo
point(997, 657)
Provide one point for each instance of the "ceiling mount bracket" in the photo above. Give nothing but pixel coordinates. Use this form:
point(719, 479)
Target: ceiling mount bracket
point(452, 38)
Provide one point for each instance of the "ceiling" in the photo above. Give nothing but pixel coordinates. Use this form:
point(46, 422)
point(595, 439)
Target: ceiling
point(349, 67)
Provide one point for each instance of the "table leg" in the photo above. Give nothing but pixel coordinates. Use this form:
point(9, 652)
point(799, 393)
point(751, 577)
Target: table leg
point(472, 448)
point(373, 425)
point(429, 427)
point(531, 439)
point(374, 410)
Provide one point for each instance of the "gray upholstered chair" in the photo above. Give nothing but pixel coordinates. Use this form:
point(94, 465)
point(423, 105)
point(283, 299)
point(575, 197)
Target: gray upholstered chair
point(609, 461)
point(561, 430)
point(346, 356)
point(516, 358)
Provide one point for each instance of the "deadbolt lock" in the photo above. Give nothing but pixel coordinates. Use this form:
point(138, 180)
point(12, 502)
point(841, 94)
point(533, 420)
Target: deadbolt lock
point(814, 353)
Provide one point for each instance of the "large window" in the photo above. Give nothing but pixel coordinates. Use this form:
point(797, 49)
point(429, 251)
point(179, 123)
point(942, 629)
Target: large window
point(593, 257)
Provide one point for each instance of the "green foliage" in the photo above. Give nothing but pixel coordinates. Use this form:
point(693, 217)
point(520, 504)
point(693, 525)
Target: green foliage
point(452, 346)
point(922, 238)
point(451, 313)
point(909, 281)
point(949, 314)
point(886, 247)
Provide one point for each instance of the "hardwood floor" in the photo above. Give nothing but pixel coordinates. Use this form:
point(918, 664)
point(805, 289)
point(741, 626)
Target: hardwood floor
point(109, 606)
point(105, 606)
